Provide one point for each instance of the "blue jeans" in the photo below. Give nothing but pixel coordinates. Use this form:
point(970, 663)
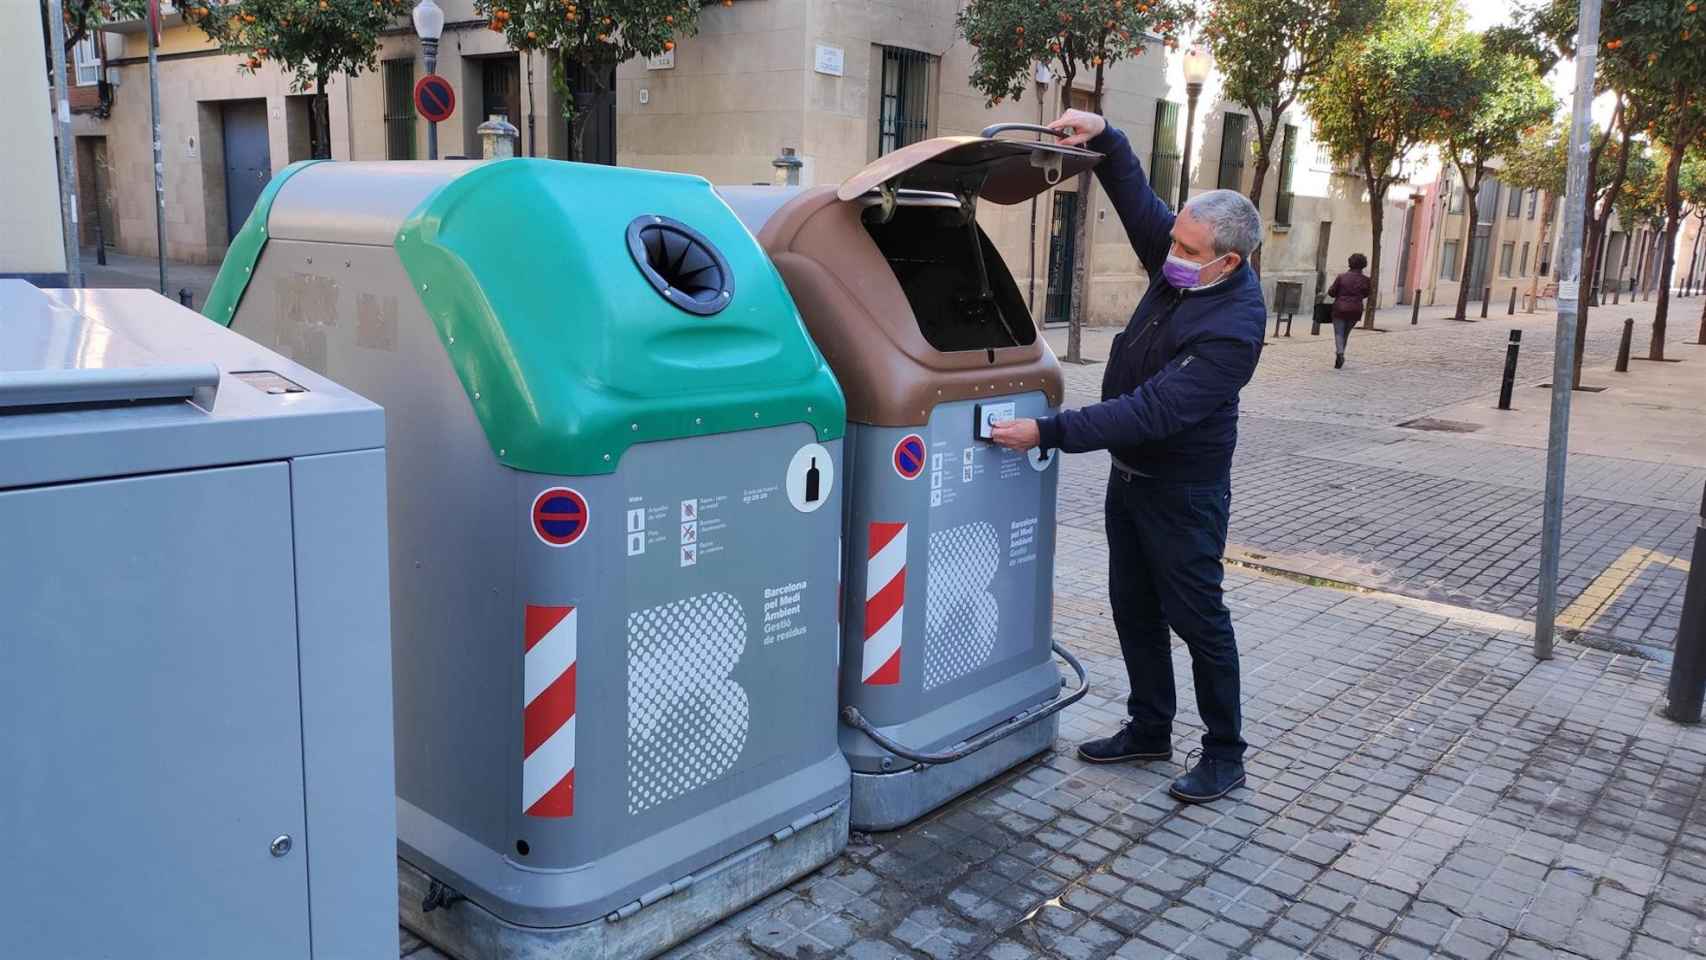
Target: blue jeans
point(1165, 542)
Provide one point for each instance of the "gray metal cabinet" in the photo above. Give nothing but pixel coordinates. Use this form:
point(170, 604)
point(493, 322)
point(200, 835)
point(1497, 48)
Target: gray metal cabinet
point(186, 730)
point(195, 700)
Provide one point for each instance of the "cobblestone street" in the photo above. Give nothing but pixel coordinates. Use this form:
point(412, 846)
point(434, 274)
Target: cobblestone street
point(1329, 482)
point(1419, 784)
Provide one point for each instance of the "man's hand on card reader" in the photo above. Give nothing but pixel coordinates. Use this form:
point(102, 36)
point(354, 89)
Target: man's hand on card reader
point(1017, 435)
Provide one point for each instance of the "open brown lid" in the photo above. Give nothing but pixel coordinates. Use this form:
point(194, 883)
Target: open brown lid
point(1000, 171)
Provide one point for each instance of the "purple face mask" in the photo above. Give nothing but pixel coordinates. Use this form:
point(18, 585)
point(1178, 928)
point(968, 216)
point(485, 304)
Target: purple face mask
point(1185, 274)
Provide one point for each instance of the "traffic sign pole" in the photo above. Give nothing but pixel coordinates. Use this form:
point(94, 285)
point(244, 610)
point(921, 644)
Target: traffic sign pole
point(429, 48)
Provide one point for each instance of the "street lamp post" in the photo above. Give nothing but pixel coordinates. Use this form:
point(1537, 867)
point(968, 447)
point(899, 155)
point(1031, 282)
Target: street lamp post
point(1196, 72)
point(429, 26)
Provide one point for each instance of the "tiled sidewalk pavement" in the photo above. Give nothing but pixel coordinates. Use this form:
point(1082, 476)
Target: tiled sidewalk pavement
point(1420, 786)
point(1327, 483)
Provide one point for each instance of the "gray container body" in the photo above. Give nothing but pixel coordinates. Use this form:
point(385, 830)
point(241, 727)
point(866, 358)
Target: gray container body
point(195, 660)
point(968, 543)
point(703, 693)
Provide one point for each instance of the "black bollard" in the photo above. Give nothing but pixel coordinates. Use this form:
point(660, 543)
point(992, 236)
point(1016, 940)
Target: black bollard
point(1415, 306)
point(1617, 295)
point(1486, 297)
point(1512, 311)
point(186, 298)
point(1623, 345)
point(1510, 371)
point(1688, 669)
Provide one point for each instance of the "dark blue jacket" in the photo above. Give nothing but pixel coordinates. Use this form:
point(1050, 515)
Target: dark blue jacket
point(1170, 389)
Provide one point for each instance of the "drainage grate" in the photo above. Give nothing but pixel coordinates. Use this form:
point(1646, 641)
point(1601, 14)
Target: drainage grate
point(1440, 426)
point(1548, 386)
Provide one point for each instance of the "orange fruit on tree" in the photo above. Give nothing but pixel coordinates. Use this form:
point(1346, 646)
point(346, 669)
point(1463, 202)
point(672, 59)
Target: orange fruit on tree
point(669, 44)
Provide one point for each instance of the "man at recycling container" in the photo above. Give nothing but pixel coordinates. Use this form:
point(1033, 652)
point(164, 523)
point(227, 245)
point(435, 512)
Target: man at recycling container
point(1169, 418)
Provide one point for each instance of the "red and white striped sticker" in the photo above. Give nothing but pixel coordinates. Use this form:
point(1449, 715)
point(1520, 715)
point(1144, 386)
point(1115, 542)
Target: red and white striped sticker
point(548, 713)
point(885, 603)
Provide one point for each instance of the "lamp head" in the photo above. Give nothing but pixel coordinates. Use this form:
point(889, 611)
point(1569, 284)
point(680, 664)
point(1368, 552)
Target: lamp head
point(429, 20)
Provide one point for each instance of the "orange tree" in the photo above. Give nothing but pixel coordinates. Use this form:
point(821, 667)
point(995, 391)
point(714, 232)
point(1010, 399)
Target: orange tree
point(592, 36)
point(1499, 97)
point(1656, 50)
point(1383, 95)
point(1010, 38)
point(1541, 161)
point(310, 39)
point(82, 16)
point(1267, 51)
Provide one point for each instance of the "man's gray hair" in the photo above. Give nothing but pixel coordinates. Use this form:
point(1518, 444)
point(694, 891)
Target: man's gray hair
point(1233, 218)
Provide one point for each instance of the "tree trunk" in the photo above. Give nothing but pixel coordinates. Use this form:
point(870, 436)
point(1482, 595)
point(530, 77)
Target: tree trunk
point(1592, 244)
point(1693, 256)
point(1623, 262)
point(1264, 160)
point(1081, 240)
point(1377, 223)
point(1080, 268)
point(1667, 256)
point(1262, 164)
point(571, 111)
point(1474, 211)
point(322, 108)
point(1700, 338)
point(1598, 212)
point(1638, 284)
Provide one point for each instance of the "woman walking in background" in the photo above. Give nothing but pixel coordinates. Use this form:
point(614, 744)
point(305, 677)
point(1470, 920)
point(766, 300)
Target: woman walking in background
point(1348, 291)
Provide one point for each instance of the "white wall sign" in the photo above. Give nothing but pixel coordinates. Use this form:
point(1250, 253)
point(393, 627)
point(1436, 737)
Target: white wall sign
point(830, 61)
point(192, 149)
point(663, 61)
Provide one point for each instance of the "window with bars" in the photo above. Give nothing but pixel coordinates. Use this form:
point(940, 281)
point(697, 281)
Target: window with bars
point(1288, 163)
point(1514, 209)
point(1164, 156)
point(87, 59)
point(1533, 202)
point(904, 113)
point(1507, 253)
point(1522, 271)
point(1448, 260)
point(400, 109)
point(1455, 203)
point(1232, 153)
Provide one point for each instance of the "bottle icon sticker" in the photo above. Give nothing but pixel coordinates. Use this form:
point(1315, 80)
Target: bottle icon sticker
point(811, 478)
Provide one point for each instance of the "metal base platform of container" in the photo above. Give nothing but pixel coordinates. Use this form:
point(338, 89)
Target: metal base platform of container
point(643, 929)
point(886, 801)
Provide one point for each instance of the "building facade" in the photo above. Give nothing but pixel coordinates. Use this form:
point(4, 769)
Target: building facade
point(32, 239)
point(835, 83)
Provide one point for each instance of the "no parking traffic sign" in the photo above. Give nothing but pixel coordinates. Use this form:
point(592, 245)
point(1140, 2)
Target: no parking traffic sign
point(434, 99)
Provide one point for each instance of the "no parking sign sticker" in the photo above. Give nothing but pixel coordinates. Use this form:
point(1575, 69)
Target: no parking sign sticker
point(909, 457)
point(560, 516)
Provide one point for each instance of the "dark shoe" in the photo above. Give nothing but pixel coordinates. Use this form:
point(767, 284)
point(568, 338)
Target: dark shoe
point(1128, 744)
point(1211, 779)
point(1338, 361)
